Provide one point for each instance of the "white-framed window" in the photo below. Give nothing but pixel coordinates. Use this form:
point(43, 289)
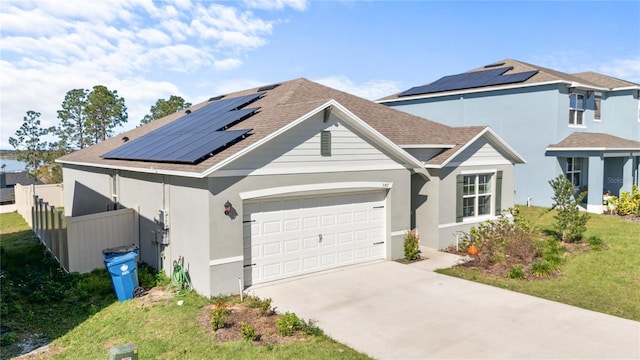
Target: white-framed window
point(576, 109)
point(476, 195)
point(574, 171)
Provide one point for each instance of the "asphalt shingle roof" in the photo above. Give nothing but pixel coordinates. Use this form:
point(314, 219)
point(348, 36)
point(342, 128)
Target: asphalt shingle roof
point(544, 75)
point(583, 140)
point(281, 106)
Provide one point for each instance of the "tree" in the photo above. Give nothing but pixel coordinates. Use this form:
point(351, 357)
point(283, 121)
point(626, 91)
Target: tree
point(105, 110)
point(164, 107)
point(30, 148)
point(72, 130)
point(571, 223)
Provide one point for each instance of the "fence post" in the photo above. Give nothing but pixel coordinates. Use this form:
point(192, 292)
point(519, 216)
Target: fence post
point(62, 237)
point(52, 233)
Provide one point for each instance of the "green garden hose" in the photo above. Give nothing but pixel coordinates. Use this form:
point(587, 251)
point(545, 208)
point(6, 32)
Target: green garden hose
point(179, 278)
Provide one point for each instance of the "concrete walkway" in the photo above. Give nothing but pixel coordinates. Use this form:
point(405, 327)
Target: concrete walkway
point(393, 311)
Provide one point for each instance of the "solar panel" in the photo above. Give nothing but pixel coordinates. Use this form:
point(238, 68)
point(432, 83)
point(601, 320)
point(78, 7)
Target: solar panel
point(180, 148)
point(193, 137)
point(470, 80)
point(268, 87)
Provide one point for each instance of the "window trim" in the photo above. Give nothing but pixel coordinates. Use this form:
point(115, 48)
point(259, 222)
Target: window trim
point(576, 110)
point(597, 107)
point(495, 194)
point(573, 172)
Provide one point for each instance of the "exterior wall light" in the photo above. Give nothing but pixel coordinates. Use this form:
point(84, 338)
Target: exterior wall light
point(227, 208)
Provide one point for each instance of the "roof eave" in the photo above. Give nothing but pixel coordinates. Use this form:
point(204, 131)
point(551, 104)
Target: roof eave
point(472, 91)
point(149, 170)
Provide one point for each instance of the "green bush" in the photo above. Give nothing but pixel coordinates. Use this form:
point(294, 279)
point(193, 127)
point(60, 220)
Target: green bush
point(219, 317)
point(288, 324)
point(595, 243)
point(310, 328)
point(628, 203)
point(516, 272)
point(248, 331)
point(411, 245)
point(543, 268)
point(265, 307)
point(571, 223)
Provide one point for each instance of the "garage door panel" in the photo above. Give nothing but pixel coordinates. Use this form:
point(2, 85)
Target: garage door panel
point(296, 236)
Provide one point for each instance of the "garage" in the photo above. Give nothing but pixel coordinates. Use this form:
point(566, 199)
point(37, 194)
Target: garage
point(297, 235)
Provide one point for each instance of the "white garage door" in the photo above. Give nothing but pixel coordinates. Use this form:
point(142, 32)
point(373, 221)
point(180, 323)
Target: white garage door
point(294, 236)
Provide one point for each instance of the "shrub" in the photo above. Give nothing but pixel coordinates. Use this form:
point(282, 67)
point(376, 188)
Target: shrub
point(310, 328)
point(628, 203)
point(265, 307)
point(595, 243)
point(219, 317)
point(289, 323)
point(248, 331)
point(552, 252)
point(516, 272)
point(502, 240)
point(411, 245)
point(570, 222)
point(543, 268)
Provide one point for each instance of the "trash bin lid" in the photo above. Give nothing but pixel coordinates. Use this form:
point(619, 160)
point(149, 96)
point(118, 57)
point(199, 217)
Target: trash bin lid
point(120, 249)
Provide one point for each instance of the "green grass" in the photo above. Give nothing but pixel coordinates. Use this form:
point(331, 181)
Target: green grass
point(606, 281)
point(82, 317)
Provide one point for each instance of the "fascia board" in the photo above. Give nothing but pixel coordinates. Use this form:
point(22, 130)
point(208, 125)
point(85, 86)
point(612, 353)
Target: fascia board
point(497, 140)
point(133, 169)
point(566, 149)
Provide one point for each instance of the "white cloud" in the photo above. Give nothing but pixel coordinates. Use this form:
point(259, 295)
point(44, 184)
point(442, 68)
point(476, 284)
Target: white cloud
point(137, 47)
point(372, 89)
point(625, 69)
point(299, 5)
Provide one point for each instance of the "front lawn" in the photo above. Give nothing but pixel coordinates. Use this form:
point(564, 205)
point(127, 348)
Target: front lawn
point(606, 281)
point(77, 316)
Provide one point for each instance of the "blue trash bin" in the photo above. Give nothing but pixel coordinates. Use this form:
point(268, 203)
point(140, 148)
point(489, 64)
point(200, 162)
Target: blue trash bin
point(123, 268)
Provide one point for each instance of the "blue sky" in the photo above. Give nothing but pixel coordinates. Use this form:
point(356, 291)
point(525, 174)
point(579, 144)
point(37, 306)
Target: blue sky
point(147, 50)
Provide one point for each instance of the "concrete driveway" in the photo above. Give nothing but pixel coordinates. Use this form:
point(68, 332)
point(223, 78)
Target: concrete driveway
point(393, 311)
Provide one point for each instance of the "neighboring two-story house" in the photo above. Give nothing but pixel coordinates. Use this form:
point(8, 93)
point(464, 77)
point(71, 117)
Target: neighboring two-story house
point(585, 125)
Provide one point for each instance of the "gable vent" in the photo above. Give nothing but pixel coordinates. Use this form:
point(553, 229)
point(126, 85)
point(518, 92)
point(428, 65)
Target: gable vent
point(325, 143)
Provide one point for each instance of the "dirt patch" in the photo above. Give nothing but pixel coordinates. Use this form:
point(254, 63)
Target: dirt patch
point(153, 296)
point(265, 326)
point(407, 261)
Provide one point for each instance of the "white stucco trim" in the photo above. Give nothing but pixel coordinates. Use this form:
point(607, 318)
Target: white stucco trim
point(478, 171)
point(303, 170)
point(398, 233)
point(631, 87)
point(468, 221)
point(322, 187)
point(227, 260)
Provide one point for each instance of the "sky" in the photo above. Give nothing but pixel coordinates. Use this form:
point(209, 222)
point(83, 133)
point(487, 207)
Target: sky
point(148, 50)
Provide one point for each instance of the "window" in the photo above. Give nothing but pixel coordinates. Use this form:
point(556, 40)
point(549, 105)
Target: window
point(596, 113)
point(476, 195)
point(576, 109)
point(574, 171)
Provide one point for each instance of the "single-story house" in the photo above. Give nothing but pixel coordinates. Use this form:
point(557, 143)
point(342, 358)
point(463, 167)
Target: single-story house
point(288, 179)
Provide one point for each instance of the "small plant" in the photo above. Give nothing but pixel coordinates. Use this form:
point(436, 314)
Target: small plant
point(248, 331)
point(289, 323)
point(570, 223)
point(411, 245)
point(265, 307)
point(516, 272)
point(543, 268)
point(310, 328)
point(595, 243)
point(219, 316)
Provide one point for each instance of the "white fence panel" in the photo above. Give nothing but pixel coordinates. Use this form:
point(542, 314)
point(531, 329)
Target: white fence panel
point(90, 234)
point(24, 195)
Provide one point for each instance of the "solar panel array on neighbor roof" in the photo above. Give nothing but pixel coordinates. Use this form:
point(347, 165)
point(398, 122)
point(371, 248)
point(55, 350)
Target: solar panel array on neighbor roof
point(192, 138)
point(471, 80)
